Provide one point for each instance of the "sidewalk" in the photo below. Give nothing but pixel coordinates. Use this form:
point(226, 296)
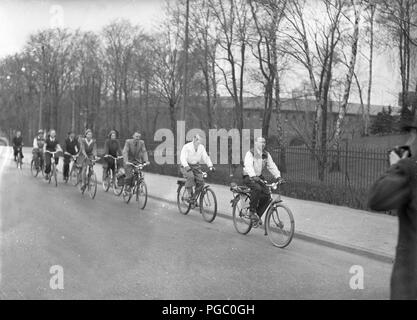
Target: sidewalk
point(356, 231)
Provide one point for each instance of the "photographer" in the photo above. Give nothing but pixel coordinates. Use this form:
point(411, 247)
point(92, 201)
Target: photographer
point(397, 190)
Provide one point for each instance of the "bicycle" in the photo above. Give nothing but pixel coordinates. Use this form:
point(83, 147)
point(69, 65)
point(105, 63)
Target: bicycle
point(19, 160)
point(36, 167)
point(53, 168)
point(75, 172)
point(111, 179)
point(139, 186)
point(279, 220)
point(91, 183)
point(206, 200)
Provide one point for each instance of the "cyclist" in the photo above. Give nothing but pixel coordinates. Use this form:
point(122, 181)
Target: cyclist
point(17, 145)
point(112, 148)
point(51, 145)
point(88, 153)
point(192, 154)
point(255, 161)
point(71, 148)
point(38, 143)
point(134, 151)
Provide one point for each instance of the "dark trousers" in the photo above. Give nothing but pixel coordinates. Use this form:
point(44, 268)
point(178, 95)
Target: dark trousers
point(259, 195)
point(48, 157)
point(67, 161)
point(110, 164)
point(16, 151)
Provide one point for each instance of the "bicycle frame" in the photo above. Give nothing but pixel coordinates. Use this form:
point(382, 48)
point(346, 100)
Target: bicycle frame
point(272, 202)
point(203, 190)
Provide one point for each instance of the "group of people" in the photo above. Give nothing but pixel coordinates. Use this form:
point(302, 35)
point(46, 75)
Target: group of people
point(84, 150)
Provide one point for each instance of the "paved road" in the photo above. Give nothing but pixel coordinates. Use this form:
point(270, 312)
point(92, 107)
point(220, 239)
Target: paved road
point(110, 250)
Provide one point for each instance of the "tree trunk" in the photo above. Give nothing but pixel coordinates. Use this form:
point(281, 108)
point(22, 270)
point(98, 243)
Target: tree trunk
point(342, 112)
point(371, 61)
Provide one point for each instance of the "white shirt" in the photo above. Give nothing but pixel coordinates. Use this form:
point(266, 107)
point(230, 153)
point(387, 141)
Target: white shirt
point(190, 156)
point(254, 165)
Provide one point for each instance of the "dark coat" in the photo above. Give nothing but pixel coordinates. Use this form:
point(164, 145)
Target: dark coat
point(397, 190)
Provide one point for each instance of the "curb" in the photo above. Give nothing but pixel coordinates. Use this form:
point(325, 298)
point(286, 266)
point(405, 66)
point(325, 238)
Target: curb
point(371, 254)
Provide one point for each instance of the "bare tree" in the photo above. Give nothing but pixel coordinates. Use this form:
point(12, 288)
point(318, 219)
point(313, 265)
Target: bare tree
point(357, 8)
point(233, 21)
point(324, 36)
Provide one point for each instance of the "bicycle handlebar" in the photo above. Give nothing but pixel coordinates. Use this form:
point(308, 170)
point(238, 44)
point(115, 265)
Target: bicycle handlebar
point(137, 166)
point(53, 153)
point(114, 158)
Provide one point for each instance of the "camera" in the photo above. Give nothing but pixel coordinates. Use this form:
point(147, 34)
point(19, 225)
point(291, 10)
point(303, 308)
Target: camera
point(400, 150)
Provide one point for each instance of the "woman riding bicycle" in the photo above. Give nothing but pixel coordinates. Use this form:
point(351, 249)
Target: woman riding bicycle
point(88, 153)
point(112, 148)
point(51, 145)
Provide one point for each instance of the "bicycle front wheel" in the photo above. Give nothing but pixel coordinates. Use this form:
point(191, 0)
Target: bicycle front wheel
point(19, 161)
point(208, 205)
point(117, 190)
point(183, 206)
point(241, 217)
point(33, 170)
point(55, 177)
point(142, 195)
point(92, 185)
point(107, 181)
point(280, 225)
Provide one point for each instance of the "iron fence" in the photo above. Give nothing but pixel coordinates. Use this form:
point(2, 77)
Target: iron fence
point(357, 169)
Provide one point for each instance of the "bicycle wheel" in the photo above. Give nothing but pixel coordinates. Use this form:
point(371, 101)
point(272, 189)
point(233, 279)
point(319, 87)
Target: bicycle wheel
point(208, 205)
point(241, 218)
point(73, 175)
point(107, 181)
point(19, 161)
point(92, 185)
point(33, 170)
point(279, 225)
point(142, 195)
point(117, 190)
point(55, 176)
point(183, 206)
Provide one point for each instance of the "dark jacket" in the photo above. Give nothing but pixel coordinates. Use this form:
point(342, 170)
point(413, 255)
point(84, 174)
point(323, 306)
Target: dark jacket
point(71, 147)
point(51, 145)
point(397, 190)
point(112, 147)
point(17, 142)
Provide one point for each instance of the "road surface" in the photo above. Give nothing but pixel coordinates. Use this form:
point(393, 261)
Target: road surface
point(110, 250)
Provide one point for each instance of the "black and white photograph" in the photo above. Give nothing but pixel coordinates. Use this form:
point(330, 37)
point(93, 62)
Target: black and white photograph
point(208, 150)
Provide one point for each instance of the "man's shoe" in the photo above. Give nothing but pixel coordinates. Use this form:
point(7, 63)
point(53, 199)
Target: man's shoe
point(254, 219)
point(47, 176)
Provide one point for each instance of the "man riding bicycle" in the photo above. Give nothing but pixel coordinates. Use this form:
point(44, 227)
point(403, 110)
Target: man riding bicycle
point(38, 143)
point(134, 151)
point(71, 148)
point(88, 153)
point(255, 161)
point(17, 145)
point(111, 148)
point(192, 154)
point(51, 145)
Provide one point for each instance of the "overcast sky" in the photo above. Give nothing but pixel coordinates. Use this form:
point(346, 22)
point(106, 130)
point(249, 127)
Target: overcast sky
point(19, 18)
